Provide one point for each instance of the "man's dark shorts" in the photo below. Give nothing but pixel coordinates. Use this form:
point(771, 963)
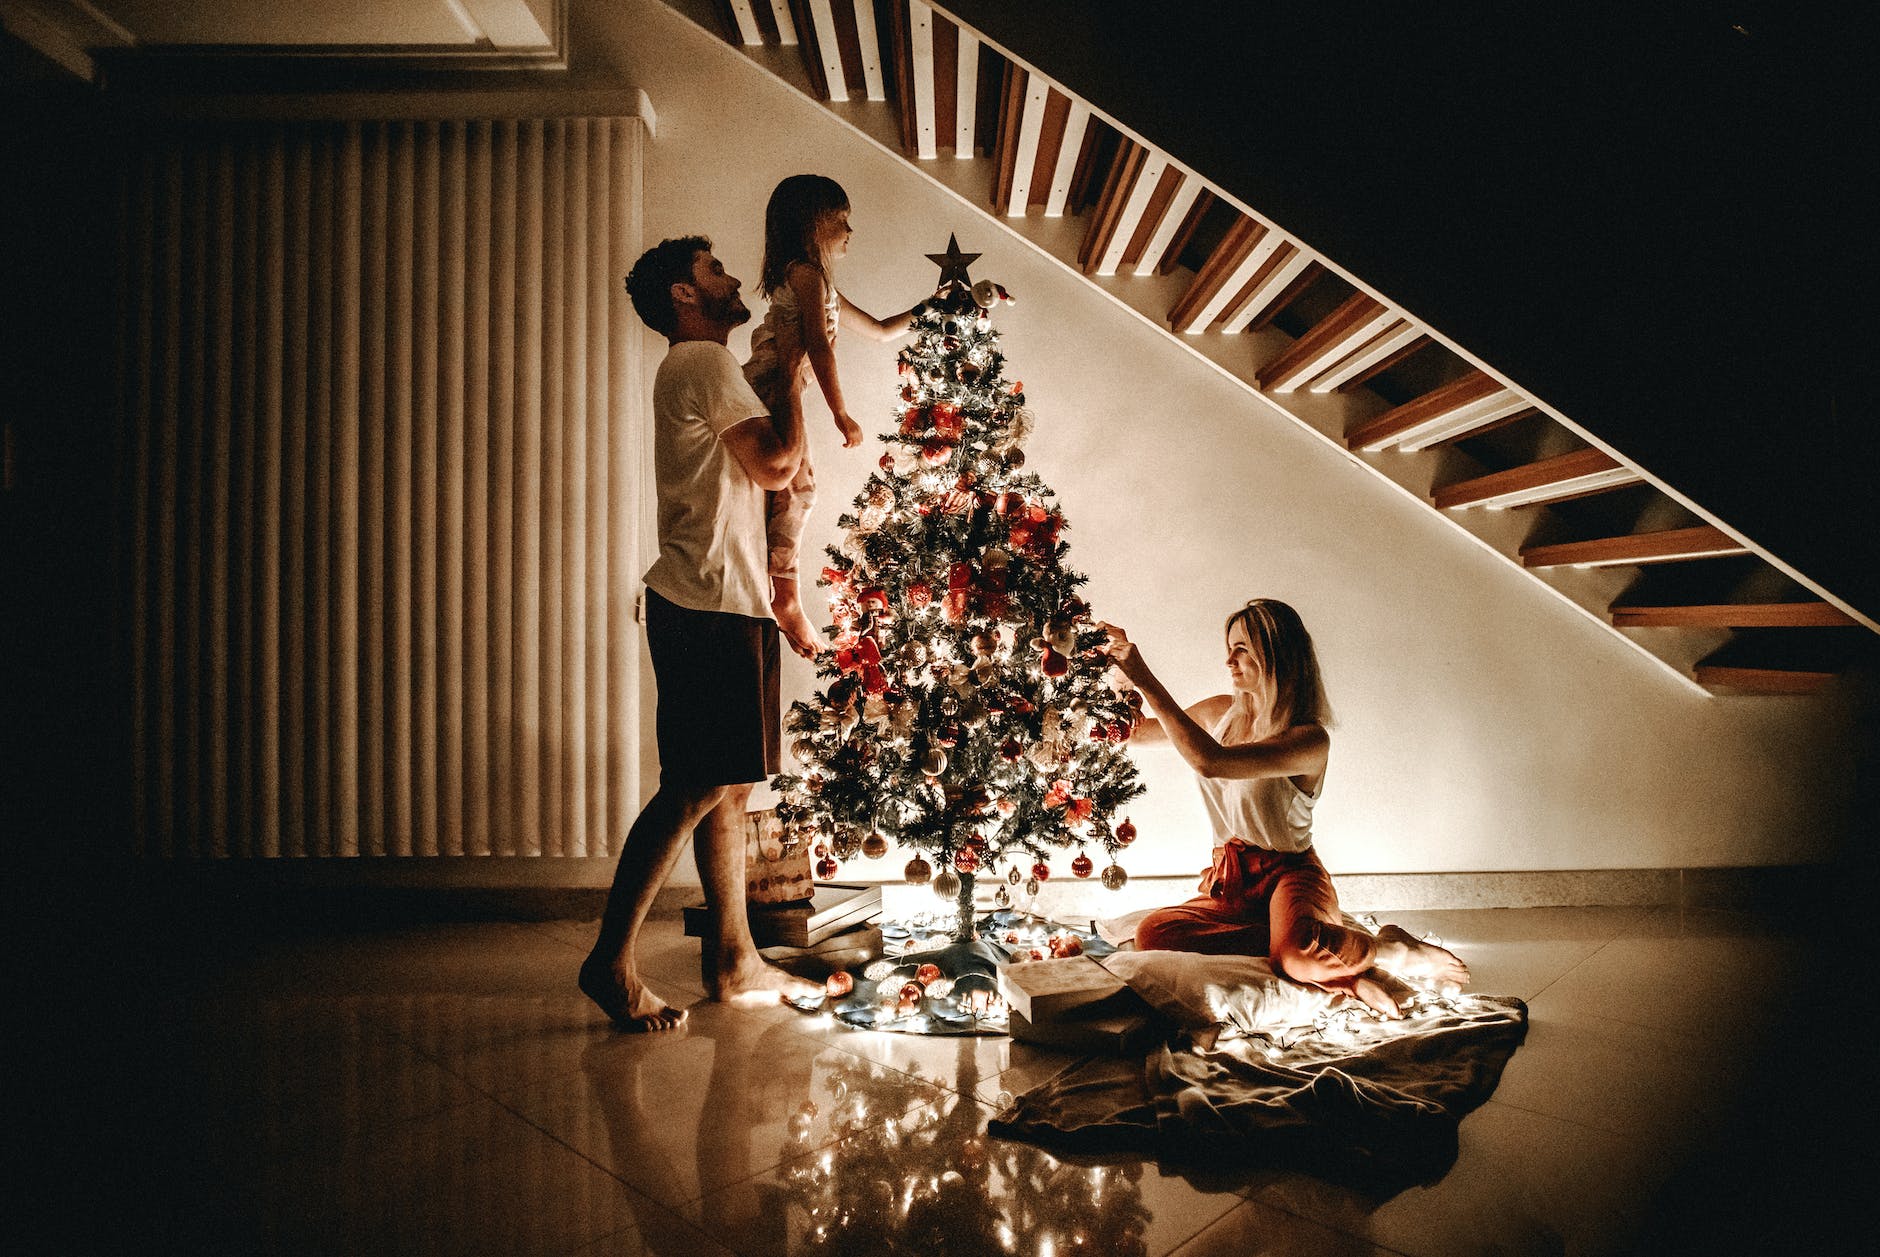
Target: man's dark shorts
point(718, 721)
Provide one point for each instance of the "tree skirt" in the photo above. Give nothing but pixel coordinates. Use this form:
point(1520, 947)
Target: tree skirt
point(931, 985)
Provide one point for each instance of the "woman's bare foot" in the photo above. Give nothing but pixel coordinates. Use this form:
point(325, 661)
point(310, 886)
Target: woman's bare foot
point(1404, 954)
point(748, 980)
point(626, 1000)
point(1381, 993)
point(795, 626)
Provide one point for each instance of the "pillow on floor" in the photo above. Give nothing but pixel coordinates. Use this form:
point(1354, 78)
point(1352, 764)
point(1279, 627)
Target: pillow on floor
point(1216, 997)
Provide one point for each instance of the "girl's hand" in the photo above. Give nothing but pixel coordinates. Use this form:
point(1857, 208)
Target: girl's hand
point(851, 431)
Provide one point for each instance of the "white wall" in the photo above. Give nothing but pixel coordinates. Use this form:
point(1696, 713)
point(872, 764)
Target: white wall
point(1482, 724)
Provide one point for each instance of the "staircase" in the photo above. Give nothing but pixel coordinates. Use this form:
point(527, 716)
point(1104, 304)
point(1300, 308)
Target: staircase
point(1310, 341)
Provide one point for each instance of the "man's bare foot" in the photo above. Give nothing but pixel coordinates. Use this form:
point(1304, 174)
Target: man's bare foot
point(1381, 993)
point(1404, 954)
point(626, 1001)
point(795, 626)
point(750, 981)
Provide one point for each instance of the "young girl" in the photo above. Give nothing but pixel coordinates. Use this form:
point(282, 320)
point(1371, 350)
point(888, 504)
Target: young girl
point(1260, 752)
point(806, 231)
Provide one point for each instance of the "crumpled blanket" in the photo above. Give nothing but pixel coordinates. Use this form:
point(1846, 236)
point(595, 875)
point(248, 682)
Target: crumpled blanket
point(1364, 1099)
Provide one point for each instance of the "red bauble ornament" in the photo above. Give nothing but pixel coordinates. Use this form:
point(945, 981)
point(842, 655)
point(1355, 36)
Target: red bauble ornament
point(1059, 794)
point(1041, 871)
point(966, 860)
point(917, 872)
point(919, 593)
point(1126, 832)
point(826, 868)
point(1010, 751)
point(936, 452)
point(1078, 810)
point(838, 984)
point(911, 993)
point(1082, 866)
point(927, 974)
point(875, 846)
point(886, 463)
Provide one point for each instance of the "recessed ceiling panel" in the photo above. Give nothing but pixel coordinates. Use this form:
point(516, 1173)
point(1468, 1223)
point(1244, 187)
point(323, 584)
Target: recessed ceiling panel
point(312, 24)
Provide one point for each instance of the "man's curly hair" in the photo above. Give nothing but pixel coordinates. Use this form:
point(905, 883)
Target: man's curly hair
point(650, 281)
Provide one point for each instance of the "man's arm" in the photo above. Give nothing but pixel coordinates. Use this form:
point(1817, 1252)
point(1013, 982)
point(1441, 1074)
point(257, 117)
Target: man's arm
point(769, 447)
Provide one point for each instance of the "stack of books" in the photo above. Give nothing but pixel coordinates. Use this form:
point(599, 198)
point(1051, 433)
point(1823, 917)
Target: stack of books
point(833, 909)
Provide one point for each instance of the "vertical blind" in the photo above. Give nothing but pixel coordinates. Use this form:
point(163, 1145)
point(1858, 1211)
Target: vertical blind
point(382, 391)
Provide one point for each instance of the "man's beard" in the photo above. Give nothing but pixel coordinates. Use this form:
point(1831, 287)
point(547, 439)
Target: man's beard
point(727, 311)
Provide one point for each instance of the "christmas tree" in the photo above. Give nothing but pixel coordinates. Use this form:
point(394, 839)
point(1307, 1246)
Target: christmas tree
point(969, 711)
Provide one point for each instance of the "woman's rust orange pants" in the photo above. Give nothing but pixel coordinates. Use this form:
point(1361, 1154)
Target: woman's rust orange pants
point(1277, 904)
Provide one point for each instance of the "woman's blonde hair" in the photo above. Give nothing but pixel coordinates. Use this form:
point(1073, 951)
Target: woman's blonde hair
point(1289, 661)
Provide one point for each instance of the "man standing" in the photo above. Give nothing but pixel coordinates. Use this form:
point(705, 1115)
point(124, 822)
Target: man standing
point(716, 452)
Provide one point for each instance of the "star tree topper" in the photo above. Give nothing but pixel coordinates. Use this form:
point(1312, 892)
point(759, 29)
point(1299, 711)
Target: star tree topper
point(953, 264)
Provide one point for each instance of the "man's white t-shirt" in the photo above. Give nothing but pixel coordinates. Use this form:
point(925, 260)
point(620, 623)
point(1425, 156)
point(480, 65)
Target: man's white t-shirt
point(712, 551)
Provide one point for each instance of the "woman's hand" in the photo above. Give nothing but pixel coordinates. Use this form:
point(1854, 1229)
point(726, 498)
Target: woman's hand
point(1122, 652)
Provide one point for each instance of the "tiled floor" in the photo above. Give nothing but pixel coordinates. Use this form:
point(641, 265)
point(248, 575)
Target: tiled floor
point(444, 1089)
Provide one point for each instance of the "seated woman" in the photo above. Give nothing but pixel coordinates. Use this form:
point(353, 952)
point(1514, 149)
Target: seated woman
point(1260, 752)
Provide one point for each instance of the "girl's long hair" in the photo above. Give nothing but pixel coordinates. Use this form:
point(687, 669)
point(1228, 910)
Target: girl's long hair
point(1290, 665)
point(790, 224)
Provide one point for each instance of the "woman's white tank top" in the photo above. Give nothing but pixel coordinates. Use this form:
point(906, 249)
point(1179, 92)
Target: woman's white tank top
point(1268, 812)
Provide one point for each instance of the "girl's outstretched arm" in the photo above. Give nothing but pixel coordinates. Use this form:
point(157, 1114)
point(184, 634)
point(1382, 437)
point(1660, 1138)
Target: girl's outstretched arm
point(880, 330)
point(1299, 751)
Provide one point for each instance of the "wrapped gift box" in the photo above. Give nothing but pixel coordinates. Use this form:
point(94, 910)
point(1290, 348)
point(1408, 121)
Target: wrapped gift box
point(1039, 990)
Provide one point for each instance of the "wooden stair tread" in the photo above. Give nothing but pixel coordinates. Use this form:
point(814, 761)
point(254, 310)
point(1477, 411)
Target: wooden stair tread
point(1355, 323)
point(1815, 614)
point(1760, 680)
point(1669, 546)
point(1545, 480)
point(1472, 400)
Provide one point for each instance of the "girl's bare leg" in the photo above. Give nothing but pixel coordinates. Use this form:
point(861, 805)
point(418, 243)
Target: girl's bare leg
point(787, 605)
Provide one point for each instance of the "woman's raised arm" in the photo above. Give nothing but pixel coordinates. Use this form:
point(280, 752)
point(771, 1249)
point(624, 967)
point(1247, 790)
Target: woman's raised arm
point(1298, 751)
